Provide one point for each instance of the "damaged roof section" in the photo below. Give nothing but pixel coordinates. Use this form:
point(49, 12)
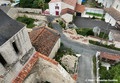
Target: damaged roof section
point(8, 27)
point(44, 39)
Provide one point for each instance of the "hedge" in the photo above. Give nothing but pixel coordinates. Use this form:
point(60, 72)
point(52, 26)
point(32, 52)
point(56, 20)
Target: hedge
point(103, 45)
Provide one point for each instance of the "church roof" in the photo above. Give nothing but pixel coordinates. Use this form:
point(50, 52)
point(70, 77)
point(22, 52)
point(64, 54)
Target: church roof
point(44, 39)
point(8, 27)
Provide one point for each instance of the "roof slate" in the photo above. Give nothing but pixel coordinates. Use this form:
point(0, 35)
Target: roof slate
point(113, 12)
point(8, 27)
point(44, 39)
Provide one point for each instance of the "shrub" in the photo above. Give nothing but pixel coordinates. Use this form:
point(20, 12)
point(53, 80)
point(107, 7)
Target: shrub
point(50, 25)
point(63, 25)
point(56, 20)
point(103, 34)
point(85, 31)
point(26, 20)
point(60, 22)
point(104, 45)
point(93, 17)
point(90, 32)
point(70, 22)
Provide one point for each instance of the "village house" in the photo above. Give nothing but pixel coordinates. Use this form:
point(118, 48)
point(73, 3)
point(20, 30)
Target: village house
point(66, 8)
point(45, 40)
point(106, 3)
point(113, 14)
point(109, 57)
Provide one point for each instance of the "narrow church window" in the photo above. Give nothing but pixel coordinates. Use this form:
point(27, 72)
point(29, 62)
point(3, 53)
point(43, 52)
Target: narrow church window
point(15, 47)
point(2, 60)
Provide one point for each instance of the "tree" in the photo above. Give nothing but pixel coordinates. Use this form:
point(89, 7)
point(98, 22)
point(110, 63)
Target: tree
point(26, 3)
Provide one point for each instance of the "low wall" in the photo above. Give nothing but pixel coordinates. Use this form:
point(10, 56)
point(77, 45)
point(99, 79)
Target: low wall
point(34, 16)
point(92, 10)
point(13, 12)
point(99, 40)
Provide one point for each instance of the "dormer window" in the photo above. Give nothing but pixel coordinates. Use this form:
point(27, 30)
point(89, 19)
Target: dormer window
point(15, 47)
point(2, 60)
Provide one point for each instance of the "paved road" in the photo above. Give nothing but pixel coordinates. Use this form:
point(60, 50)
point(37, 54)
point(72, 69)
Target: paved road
point(81, 22)
point(85, 66)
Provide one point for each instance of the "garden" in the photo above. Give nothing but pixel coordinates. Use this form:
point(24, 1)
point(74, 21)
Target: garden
point(85, 31)
point(112, 74)
point(88, 32)
point(26, 20)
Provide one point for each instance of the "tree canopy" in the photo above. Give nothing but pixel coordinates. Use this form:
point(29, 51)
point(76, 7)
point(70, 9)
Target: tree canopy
point(43, 4)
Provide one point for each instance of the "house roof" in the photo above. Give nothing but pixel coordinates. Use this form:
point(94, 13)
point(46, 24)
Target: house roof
point(67, 10)
point(110, 56)
point(29, 65)
point(5, 9)
point(80, 8)
point(44, 39)
point(70, 2)
point(116, 34)
point(8, 27)
point(113, 12)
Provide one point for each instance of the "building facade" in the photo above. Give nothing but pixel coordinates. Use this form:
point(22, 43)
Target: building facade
point(15, 48)
point(113, 14)
point(58, 7)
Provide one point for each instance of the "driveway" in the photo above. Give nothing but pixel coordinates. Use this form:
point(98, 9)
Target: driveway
point(81, 22)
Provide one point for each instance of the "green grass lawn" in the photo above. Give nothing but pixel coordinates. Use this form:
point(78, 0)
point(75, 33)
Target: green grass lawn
point(26, 20)
point(94, 14)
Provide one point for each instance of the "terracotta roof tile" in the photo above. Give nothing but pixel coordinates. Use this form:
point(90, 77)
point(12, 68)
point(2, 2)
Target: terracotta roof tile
point(44, 40)
point(75, 77)
point(67, 10)
point(80, 8)
point(70, 2)
point(31, 62)
point(110, 56)
point(113, 12)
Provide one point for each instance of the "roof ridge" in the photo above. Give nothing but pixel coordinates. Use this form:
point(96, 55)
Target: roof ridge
point(33, 40)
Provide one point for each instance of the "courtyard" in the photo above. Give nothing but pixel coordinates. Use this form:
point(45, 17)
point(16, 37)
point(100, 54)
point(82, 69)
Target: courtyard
point(81, 22)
